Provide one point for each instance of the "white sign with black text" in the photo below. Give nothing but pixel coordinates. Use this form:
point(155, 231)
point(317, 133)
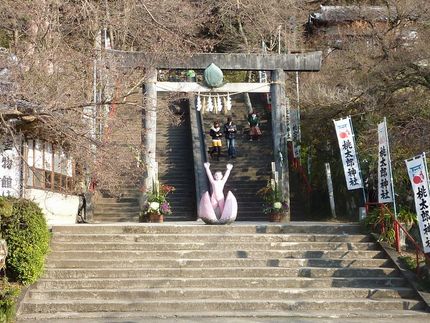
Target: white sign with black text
point(418, 175)
point(385, 185)
point(351, 167)
point(10, 168)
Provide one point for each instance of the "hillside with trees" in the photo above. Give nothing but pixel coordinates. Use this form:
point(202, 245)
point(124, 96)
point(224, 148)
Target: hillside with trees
point(376, 64)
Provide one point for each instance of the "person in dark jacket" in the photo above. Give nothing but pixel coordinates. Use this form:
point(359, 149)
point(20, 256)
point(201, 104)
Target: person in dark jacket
point(230, 136)
point(216, 135)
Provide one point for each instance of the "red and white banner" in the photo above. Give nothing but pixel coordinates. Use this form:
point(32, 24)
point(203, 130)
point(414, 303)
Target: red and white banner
point(385, 185)
point(418, 175)
point(346, 140)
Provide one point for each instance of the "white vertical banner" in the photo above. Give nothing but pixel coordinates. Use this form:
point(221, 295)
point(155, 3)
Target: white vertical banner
point(10, 168)
point(330, 189)
point(346, 141)
point(48, 156)
point(385, 184)
point(38, 154)
point(289, 122)
point(418, 175)
point(295, 131)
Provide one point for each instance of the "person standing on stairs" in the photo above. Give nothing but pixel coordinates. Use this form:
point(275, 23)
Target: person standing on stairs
point(216, 135)
point(230, 135)
point(254, 126)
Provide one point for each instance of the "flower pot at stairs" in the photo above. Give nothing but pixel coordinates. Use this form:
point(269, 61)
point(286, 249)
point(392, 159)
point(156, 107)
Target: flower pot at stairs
point(156, 217)
point(275, 217)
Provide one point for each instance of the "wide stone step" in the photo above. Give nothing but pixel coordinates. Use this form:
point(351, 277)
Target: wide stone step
point(112, 220)
point(210, 263)
point(164, 141)
point(115, 213)
point(216, 254)
point(251, 238)
point(195, 228)
point(67, 273)
point(132, 216)
point(174, 174)
point(130, 192)
point(114, 201)
point(196, 245)
point(124, 198)
point(178, 184)
point(118, 206)
point(222, 282)
point(218, 305)
point(138, 272)
point(130, 195)
point(231, 316)
point(178, 216)
point(252, 173)
point(221, 293)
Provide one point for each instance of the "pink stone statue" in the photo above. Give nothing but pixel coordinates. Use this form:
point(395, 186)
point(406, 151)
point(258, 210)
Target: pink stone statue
point(215, 209)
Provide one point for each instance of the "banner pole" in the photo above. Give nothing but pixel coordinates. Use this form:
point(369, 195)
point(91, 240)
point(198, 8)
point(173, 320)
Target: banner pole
point(427, 171)
point(391, 168)
point(396, 224)
point(358, 161)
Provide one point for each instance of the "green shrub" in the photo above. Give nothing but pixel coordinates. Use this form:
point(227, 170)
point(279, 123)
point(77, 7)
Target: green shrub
point(407, 217)
point(8, 295)
point(6, 207)
point(380, 222)
point(409, 262)
point(27, 237)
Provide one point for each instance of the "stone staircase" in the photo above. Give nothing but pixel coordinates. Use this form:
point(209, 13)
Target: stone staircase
point(124, 136)
point(129, 273)
point(175, 162)
point(252, 167)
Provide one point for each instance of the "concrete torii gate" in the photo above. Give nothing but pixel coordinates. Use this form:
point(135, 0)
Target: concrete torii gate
point(277, 64)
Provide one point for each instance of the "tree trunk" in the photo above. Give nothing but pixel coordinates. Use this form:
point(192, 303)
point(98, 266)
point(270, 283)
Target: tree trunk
point(245, 40)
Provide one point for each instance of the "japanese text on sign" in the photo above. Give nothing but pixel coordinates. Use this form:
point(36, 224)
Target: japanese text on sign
point(418, 176)
point(351, 167)
point(10, 169)
point(385, 191)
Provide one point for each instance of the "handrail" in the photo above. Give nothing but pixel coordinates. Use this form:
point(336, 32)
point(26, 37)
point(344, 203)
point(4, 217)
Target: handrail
point(298, 167)
point(397, 226)
point(295, 163)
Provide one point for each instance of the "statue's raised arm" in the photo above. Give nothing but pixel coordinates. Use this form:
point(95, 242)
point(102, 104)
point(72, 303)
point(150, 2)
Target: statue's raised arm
point(208, 172)
point(227, 172)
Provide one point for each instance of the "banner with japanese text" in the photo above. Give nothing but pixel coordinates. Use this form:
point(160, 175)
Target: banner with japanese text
point(385, 186)
point(10, 168)
point(289, 123)
point(351, 167)
point(295, 132)
point(417, 171)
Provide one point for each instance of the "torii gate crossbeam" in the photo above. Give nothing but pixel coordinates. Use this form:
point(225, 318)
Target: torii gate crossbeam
point(301, 62)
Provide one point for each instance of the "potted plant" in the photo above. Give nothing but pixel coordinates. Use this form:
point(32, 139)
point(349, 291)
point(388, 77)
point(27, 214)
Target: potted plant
point(273, 204)
point(157, 205)
point(407, 219)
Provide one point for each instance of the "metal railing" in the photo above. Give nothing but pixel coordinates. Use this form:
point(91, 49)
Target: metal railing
point(397, 226)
